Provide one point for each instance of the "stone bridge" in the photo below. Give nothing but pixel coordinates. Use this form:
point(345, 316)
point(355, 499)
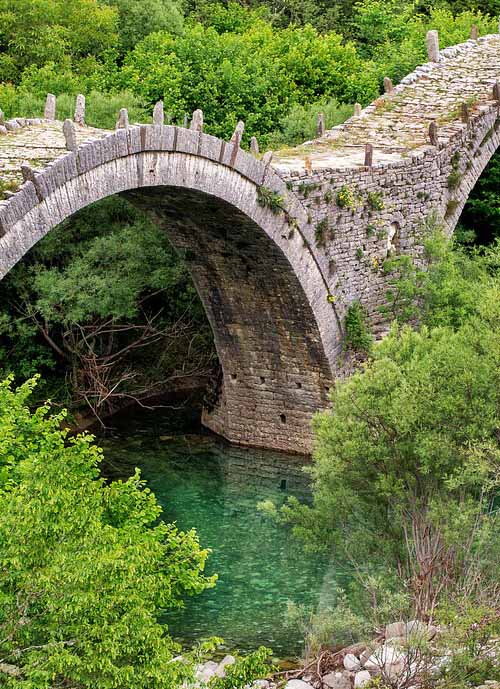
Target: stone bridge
point(278, 245)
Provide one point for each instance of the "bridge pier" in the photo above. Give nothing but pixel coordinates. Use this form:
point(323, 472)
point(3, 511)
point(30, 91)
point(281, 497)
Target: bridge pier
point(275, 375)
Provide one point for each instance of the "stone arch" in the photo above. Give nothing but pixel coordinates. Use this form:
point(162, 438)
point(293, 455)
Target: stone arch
point(300, 331)
point(466, 157)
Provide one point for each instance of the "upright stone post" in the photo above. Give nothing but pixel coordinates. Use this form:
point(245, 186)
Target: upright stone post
point(80, 110)
point(267, 157)
point(474, 32)
point(2, 118)
point(197, 121)
point(432, 41)
point(185, 121)
point(320, 124)
point(308, 165)
point(70, 135)
point(50, 107)
point(388, 86)
point(368, 155)
point(496, 91)
point(238, 134)
point(254, 146)
point(158, 114)
point(464, 113)
point(357, 109)
point(122, 119)
point(433, 134)
point(27, 173)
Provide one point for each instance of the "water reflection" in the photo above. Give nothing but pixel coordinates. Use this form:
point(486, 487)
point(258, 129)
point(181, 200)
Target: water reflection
point(204, 483)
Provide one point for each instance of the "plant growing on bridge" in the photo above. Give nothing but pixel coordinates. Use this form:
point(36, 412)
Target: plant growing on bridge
point(375, 200)
point(357, 333)
point(346, 197)
point(267, 198)
point(320, 231)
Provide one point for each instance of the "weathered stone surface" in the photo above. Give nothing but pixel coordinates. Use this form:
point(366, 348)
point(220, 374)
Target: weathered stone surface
point(432, 41)
point(336, 680)
point(80, 110)
point(351, 663)
point(122, 122)
point(158, 114)
point(361, 678)
point(50, 107)
point(276, 295)
point(70, 135)
point(197, 121)
point(221, 667)
point(395, 629)
point(297, 684)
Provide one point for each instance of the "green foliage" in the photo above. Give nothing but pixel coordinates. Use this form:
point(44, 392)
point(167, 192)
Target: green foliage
point(136, 20)
point(481, 214)
point(299, 124)
point(89, 290)
point(470, 634)
point(267, 198)
point(87, 568)
point(357, 333)
point(375, 200)
point(410, 446)
point(321, 229)
point(101, 108)
point(255, 76)
point(35, 32)
point(345, 197)
point(241, 673)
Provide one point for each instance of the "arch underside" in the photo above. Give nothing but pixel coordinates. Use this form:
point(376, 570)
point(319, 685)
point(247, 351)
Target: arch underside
point(275, 373)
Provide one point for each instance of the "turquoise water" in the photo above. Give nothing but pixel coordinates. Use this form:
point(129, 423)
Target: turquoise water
point(204, 483)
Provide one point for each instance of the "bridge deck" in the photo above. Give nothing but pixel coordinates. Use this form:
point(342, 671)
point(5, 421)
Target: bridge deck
point(396, 124)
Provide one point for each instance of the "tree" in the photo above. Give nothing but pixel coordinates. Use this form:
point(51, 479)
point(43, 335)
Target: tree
point(255, 75)
point(407, 460)
point(86, 568)
point(137, 19)
point(34, 32)
point(105, 304)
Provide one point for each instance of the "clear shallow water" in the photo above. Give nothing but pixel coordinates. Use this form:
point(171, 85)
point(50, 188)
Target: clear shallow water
point(204, 483)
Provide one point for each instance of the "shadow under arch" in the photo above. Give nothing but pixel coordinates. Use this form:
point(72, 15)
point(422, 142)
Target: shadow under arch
point(275, 332)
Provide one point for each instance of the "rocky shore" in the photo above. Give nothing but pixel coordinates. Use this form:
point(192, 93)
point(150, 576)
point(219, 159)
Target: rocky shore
point(404, 656)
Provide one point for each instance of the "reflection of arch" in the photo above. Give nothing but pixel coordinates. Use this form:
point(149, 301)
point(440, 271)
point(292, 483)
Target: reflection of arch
point(263, 290)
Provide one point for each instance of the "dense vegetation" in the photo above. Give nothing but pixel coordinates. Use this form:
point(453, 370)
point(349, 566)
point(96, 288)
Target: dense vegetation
point(407, 461)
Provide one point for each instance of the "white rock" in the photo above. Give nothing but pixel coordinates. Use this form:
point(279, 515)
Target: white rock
point(336, 680)
point(351, 663)
point(361, 678)
point(297, 684)
point(206, 671)
point(387, 657)
point(221, 667)
point(418, 628)
point(395, 629)
point(260, 684)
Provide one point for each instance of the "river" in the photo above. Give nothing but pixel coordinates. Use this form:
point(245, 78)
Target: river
point(205, 483)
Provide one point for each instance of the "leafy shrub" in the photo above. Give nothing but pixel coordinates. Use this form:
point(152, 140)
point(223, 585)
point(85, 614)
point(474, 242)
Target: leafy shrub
point(357, 334)
point(87, 566)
